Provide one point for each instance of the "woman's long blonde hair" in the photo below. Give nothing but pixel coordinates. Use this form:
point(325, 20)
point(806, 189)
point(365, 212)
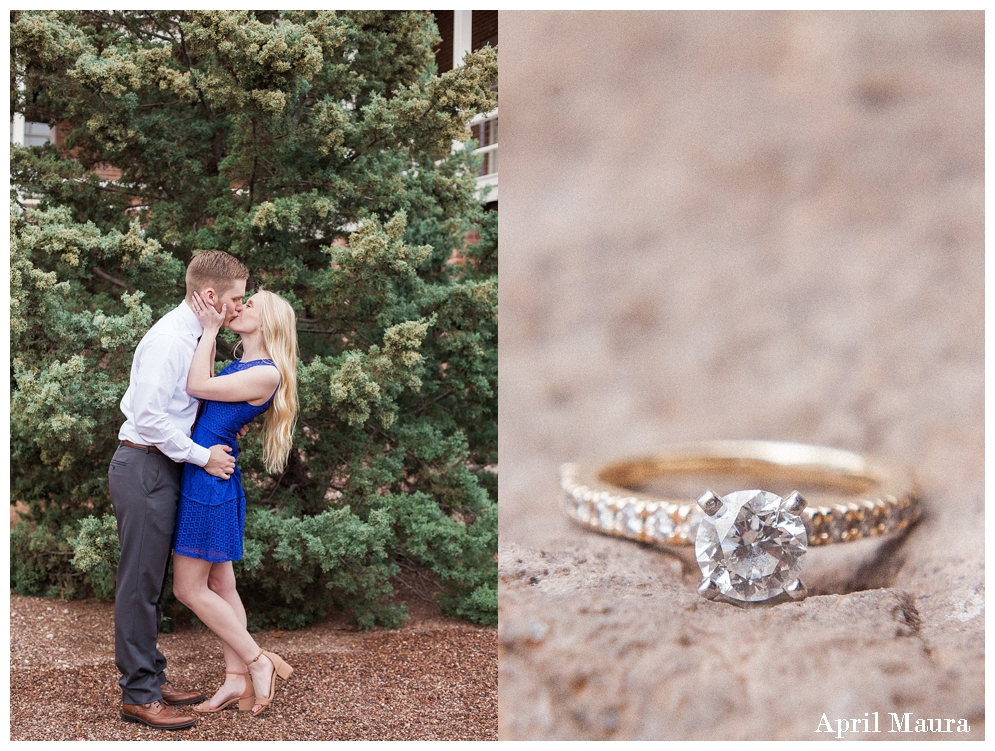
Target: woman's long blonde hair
point(280, 336)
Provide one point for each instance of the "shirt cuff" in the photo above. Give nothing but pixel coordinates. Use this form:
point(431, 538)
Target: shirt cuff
point(199, 455)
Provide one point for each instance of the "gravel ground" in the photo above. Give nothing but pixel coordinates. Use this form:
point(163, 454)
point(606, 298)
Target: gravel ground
point(433, 679)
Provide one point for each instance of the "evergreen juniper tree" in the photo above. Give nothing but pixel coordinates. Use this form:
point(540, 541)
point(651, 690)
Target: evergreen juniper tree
point(317, 146)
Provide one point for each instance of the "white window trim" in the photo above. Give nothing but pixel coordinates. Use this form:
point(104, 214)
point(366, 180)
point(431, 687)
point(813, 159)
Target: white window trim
point(18, 137)
point(462, 35)
point(489, 180)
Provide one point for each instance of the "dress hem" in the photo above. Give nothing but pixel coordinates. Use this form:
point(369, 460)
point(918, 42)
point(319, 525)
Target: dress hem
point(191, 554)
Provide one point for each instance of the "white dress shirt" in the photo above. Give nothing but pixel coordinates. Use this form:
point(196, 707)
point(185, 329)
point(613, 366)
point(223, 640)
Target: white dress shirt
point(157, 408)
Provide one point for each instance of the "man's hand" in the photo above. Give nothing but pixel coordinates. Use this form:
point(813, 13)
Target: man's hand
point(243, 431)
point(221, 464)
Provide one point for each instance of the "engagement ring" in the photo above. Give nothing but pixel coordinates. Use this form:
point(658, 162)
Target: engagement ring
point(749, 544)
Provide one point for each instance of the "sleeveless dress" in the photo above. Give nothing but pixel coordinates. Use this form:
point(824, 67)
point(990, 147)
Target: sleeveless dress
point(210, 519)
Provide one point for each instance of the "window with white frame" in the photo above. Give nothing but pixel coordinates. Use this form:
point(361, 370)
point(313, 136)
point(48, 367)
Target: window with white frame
point(484, 131)
point(34, 134)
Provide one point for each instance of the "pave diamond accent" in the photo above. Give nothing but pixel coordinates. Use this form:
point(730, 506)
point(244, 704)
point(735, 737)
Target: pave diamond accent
point(632, 516)
point(606, 512)
point(660, 524)
point(752, 548)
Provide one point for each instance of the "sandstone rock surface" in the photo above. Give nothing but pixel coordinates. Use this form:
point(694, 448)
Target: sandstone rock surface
point(739, 225)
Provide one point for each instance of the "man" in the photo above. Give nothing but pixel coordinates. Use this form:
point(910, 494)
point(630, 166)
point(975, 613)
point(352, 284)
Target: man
point(144, 479)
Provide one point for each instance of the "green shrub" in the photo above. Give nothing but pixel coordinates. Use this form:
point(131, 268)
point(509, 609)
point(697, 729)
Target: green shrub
point(40, 563)
point(96, 553)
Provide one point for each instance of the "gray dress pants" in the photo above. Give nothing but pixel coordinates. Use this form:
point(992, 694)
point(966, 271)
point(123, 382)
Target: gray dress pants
point(145, 490)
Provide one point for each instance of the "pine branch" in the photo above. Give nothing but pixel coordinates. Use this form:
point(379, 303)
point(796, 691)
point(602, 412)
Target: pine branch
point(112, 279)
point(434, 401)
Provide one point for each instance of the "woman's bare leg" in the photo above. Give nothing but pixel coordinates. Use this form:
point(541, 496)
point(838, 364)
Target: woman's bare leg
point(191, 578)
point(221, 581)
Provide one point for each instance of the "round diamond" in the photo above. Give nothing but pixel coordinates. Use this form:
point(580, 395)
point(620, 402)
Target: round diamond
point(752, 548)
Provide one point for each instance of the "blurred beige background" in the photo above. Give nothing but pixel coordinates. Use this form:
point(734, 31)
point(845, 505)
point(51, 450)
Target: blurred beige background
point(739, 225)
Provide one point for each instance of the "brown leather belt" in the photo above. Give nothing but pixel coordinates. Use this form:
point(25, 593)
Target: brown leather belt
point(140, 447)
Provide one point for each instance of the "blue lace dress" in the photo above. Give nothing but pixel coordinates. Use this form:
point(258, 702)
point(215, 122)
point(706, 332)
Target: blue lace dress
point(210, 520)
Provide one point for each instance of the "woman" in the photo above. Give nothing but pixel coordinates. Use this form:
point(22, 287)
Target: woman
point(210, 520)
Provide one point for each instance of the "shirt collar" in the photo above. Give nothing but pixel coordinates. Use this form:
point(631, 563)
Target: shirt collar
point(190, 321)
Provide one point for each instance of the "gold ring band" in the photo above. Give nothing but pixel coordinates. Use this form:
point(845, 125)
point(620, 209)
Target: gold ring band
point(749, 544)
point(604, 497)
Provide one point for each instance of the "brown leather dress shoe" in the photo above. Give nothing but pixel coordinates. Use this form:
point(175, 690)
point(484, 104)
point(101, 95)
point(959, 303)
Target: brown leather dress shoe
point(177, 698)
point(157, 715)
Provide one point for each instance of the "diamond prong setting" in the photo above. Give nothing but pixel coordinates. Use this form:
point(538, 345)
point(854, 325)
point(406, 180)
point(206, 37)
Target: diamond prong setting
point(795, 504)
point(710, 503)
point(751, 547)
point(708, 589)
point(797, 590)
